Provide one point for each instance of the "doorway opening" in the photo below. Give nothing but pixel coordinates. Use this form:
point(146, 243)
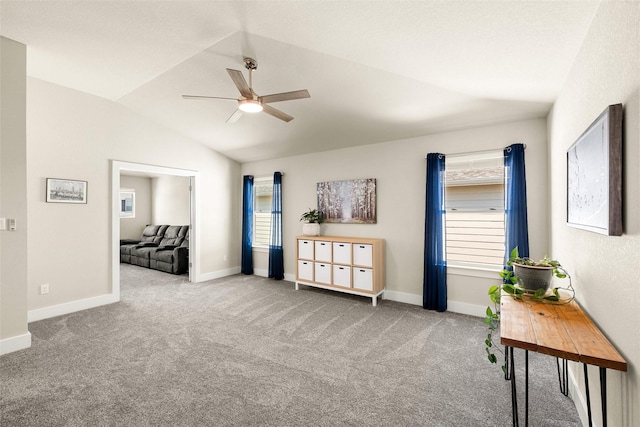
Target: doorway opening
point(120, 169)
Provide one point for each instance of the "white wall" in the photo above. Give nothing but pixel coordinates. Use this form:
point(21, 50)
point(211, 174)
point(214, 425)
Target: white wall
point(605, 269)
point(13, 200)
point(400, 170)
point(170, 200)
point(74, 135)
point(131, 228)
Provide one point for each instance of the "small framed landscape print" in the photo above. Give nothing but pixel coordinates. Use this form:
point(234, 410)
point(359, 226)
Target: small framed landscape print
point(66, 191)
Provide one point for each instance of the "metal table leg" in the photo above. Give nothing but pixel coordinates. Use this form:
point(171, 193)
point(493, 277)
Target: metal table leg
point(526, 387)
point(603, 394)
point(586, 386)
point(563, 376)
point(514, 396)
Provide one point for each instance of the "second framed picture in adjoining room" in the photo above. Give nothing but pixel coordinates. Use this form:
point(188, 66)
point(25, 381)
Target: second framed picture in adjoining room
point(348, 202)
point(127, 203)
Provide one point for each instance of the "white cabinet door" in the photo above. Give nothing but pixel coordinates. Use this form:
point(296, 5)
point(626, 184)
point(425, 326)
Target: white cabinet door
point(363, 254)
point(305, 249)
point(323, 251)
point(342, 275)
point(305, 270)
point(323, 272)
point(342, 253)
point(363, 279)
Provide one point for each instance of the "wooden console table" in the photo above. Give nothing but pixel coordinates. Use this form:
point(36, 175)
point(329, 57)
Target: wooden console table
point(560, 330)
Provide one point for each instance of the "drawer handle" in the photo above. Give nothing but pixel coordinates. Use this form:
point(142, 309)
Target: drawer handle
point(342, 246)
point(322, 244)
point(340, 268)
point(362, 271)
point(361, 247)
point(305, 243)
point(305, 263)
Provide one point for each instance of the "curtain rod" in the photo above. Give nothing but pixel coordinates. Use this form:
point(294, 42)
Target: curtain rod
point(476, 152)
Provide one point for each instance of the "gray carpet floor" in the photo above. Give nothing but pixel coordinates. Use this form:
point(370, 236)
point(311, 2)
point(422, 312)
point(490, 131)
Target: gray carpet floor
point(247, 351)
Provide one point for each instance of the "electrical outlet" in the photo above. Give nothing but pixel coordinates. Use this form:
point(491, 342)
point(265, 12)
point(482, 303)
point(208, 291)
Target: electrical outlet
point(44, 289)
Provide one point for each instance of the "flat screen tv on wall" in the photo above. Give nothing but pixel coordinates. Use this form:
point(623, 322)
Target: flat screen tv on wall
point(594, 176)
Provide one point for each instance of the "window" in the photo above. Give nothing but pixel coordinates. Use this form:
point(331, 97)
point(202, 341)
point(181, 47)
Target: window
point(474, 200)
point(262, 193)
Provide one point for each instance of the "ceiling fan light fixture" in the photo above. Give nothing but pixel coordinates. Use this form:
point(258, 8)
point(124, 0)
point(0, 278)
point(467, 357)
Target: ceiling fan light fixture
point(250, 106)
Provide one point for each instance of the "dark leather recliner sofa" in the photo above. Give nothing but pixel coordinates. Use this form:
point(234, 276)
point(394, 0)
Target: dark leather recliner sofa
point(161, 247)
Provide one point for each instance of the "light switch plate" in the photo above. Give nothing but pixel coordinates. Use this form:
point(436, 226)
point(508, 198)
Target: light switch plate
point(3, 223)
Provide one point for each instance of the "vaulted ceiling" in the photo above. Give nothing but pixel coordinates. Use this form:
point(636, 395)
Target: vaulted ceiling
point(376, 70)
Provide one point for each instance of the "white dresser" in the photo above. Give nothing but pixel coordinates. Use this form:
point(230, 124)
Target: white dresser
point(353, 265)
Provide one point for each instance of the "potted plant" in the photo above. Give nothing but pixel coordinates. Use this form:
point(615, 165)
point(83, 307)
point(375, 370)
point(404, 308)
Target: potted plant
point(312, 220)
point(526, 279)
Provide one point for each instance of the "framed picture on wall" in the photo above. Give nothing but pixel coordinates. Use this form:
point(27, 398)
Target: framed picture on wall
point(348, 202)
point(66, 191)
point(127, 203)
point(594, 176)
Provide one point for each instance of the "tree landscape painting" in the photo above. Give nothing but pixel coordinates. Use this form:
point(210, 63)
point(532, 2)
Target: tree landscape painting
point(348, 202)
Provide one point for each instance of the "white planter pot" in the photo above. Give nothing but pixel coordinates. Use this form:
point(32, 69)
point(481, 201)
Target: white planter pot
point(311, 229)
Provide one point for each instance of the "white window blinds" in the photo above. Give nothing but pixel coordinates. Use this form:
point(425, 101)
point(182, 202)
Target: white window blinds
point(474, 200)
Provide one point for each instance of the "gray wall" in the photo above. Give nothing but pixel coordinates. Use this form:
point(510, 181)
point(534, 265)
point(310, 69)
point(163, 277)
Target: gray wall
point(13, 196)
point(131, 228)
point(96, 131)
point(170, 200)
point(400, 170)
point(605, 269)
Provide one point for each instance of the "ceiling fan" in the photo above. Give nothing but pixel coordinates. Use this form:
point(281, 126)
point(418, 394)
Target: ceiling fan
point(251, 102)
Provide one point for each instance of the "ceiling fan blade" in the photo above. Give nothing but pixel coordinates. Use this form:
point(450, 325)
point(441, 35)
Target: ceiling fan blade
point(235, 116)
point(276, 113)
point(240, 82)
point(285, 96)
point(206, 97)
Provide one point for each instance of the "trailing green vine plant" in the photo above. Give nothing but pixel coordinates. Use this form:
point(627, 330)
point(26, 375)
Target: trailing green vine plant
point(510, 287)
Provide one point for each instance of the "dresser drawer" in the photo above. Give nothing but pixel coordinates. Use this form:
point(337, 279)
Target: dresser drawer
point(363, 254)
point(305, 249)
point(342, 253)
point(363, 279)
point(342, 276)
point(323, 251)
point(305, 270)
point(322, 272)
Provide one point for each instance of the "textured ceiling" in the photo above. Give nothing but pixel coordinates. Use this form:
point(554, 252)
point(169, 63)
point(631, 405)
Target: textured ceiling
point(376, 70)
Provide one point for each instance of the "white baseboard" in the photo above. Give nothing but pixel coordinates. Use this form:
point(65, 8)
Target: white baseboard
point(466, 308)
point(402, 297)
point(217, 274)
point(265, 273)
point(453, 306)
point(20, 342)
point(70, 307)
point(579, 399)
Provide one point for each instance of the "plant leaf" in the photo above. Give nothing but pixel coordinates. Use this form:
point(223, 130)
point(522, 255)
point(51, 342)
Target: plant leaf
point(539, 293)
point(514, 253)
